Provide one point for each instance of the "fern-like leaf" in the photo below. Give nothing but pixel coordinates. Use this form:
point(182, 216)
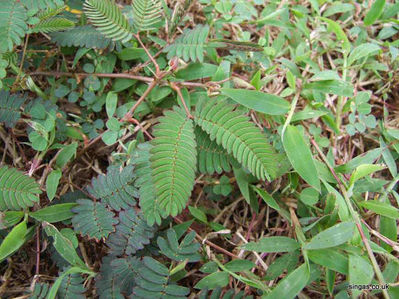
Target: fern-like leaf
point(152, 212)
point(186, 250)
point(35, 5)
point(116, 277)
point(52, 25)
point(82, 36)
point(211, 156)
point(10, 108)
point(146, 14)
point(173, 161)
point(93, 219)
point(17, 191)
point(50, 12)
point(13, 25)
point(72, 287)
point(232, 130)
point(154, 282)
point(131, 234)
point(108, 19)
point(40, 291)
point(116, 188)
point(190, 45)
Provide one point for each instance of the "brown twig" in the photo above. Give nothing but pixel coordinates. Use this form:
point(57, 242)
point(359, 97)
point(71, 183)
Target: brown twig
point(129, 114)
point(178, 91)
point(101, 75)
point(218, 248)
point(157, 69)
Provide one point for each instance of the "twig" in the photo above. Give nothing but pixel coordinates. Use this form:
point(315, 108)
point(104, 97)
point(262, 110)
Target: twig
point(178, 90)
point(37, 272)
point(218, 248)
point(136, 122)
point(129, 114)
point(101, 75)
point(22, 60)
point(157, 69)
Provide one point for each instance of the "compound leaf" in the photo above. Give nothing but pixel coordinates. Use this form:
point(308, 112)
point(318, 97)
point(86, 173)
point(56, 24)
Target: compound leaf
point(233, 130)
point(93, 219)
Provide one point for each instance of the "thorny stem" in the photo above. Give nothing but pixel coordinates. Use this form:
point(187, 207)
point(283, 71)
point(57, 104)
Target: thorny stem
point(129, 114)
point(128, 76)
point(178, 91)
point(356, 218)
point(136, 122)
point(101, 75)
point(157, 69)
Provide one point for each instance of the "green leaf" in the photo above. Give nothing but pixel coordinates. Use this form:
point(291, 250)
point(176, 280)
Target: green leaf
point(66, 154)
point(330, 258)
point(232, 130)
point(309, 196)
point(291, 285)
point(110, 103)
point(131, 54)
point(10, 218)
point(339, 32)
point(52, 182)
point(300, 156)
point(196, 71)
point(63, 246)
point(81, 36)
point(110, 137)
point(93, 219)
point(173, 161)
point(258, 101)
point(364, 170)
point(13, 241)
point(362, 51)
point(287, 261)
point(331, 237)
point(239, 265)
point(39, 142)
point(54, 289)
point(153, 281)
point(146, 14)
point(374, 13)
point(52, 25)
point(381, 208)
point(272, 244)
point(190, 45)
point(186, 250)
point(131, 234)
point(198, 214)
point(17, 191)
point(13, 25)
point(360, 272)
point(55, 213)
point(106, 16)
point(337, 87)
point(213, 281)
point(267, 198)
